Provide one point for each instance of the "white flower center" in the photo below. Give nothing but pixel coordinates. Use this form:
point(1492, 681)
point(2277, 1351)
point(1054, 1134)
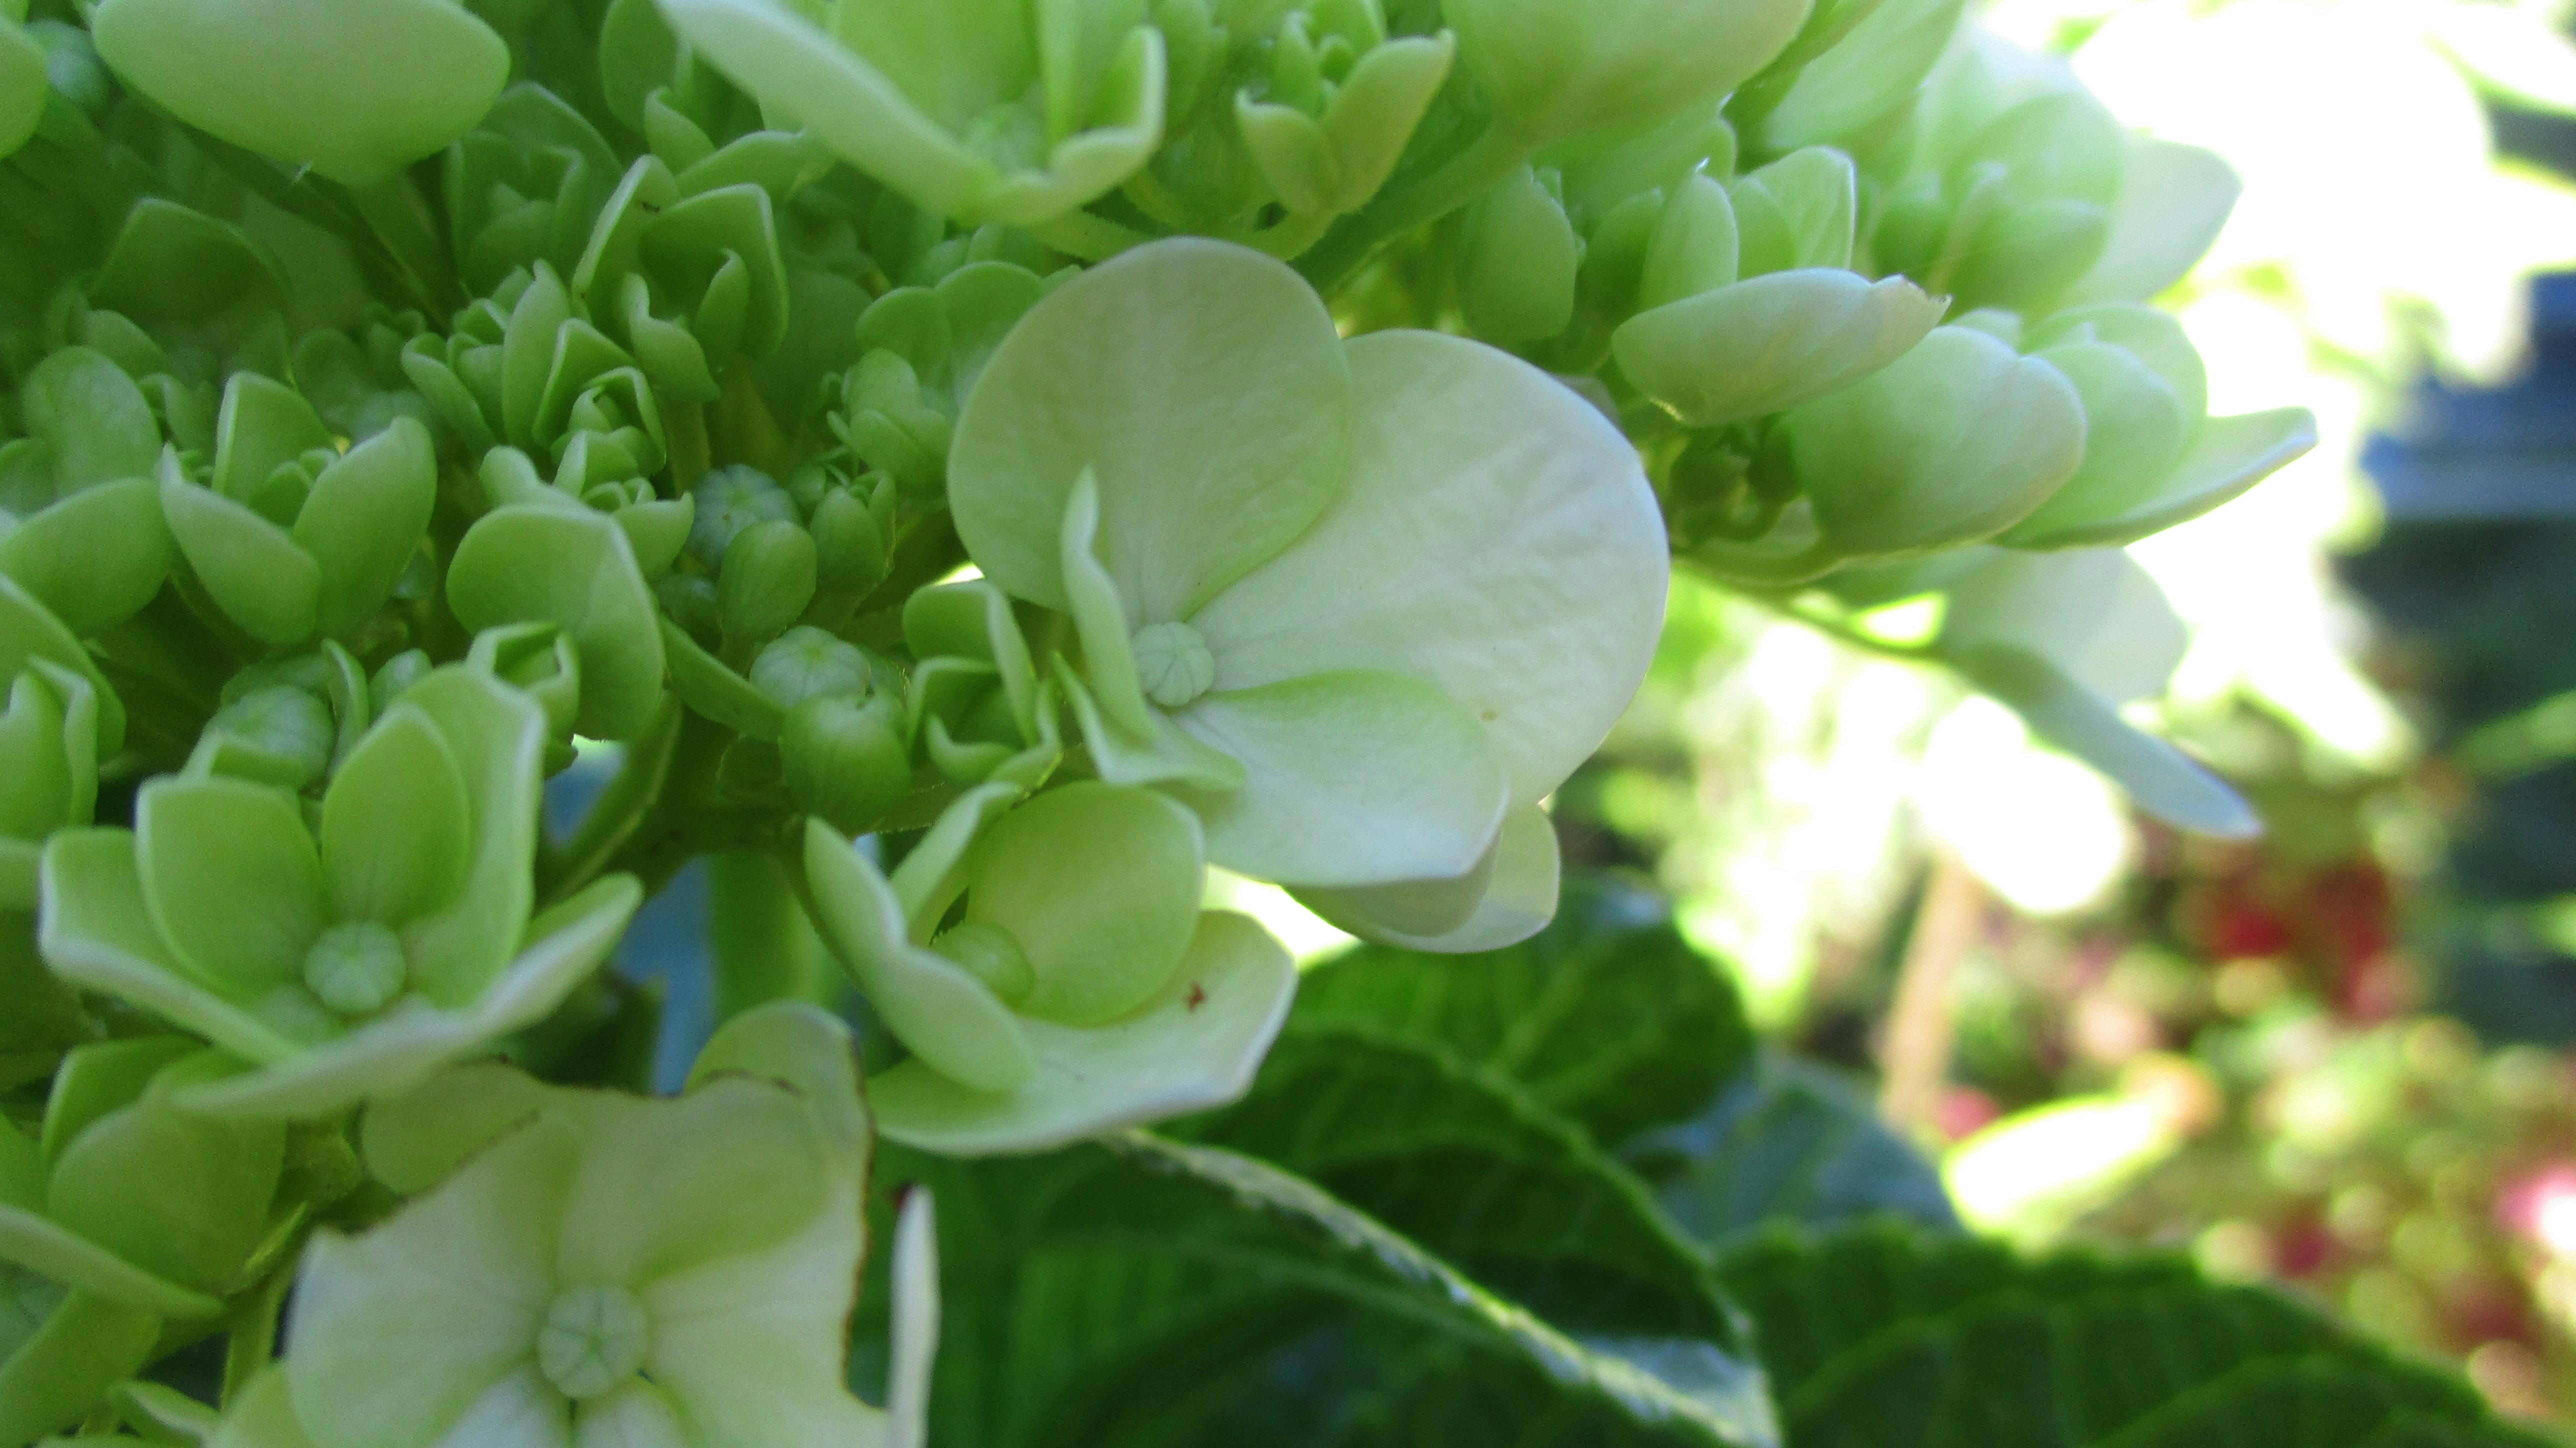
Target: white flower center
point(1173, 663)
point(356, 969)
point(594, 1339)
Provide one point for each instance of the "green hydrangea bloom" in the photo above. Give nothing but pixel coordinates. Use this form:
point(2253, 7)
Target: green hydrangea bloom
point(584, 1267)
point(348, 958)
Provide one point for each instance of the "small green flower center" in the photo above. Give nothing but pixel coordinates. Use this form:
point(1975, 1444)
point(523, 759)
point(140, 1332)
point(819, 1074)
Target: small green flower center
point(1173, 663)
point(594, 1339)
point(992, 955)
point(356, 969)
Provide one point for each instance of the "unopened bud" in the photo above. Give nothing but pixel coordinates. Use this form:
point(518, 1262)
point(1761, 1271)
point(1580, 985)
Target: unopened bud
point(845, 760)
point(767, 580)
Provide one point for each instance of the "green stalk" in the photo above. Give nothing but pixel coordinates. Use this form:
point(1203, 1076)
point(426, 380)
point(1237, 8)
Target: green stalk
point(757, 934)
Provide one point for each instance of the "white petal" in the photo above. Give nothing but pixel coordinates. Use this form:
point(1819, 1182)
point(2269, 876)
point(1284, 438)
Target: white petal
point(1498, 539)
point(1509, 898)
point(1351, 778)
point(2172, 202)
point(1203, 383)
point(1768, 344)
point(1196, 1048)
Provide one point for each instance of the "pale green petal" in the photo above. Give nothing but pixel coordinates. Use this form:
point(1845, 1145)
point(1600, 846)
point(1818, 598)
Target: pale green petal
point(354, 91)
point(22, 85)
point(98, 933)
point(497, 736)
point(1100, 886)
point(413, 1140)
point(1102, 619)
point(396, 830)
point(1165, 756)
point(1509, 898)
point(1203, 383)
point(249, 565)
point(1352, 778)
point(929, 1002)
point(2230, 455)
point(751, 1344)
point(1770, 343)
point(1196, 1048)
point(637, 1415)
point(2173, 200)
point(915, 1327)
point(521, 1411)
point(575, 569)
point(933, 874)
point(399, 1331)
point(803, 1047)
point(2093, 613)
point(232, 878)
point(769, 50)
point(1498, 540)
point(398, 1050)
point(660, 1188)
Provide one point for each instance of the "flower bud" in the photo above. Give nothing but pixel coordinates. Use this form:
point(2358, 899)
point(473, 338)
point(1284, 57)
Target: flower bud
point(690, 601)
point(1518, 260)
point(850, 549)
point(279, 734)
point(395, 675)
point(1798, 212)
point(1693, 247)
point(48, 757)
point(767, 580)
point(1955, 441)
point(728, 500)
point(807, 663)
point(889, 422)
point(845, 759)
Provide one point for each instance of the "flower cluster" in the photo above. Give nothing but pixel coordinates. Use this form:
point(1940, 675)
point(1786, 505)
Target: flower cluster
point(985, 465)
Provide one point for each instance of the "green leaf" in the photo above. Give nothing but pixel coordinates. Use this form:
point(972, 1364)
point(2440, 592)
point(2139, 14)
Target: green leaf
point(1789, 1141)
point(575, 570)
point(1607, 1016)
point(1251, 1308)
point(353, 92)
point(1465, 1162)
point(1203, 384)
point(1884, 1335)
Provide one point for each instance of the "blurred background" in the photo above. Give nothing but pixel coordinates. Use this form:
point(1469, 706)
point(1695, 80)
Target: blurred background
point(2343, 1056)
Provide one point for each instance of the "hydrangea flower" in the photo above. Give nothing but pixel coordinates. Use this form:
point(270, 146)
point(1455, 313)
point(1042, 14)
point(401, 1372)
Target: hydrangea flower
point(346, 959)
point(1355, 602)
point(586, 1267)
point(123, 1211)
point(1082, 990)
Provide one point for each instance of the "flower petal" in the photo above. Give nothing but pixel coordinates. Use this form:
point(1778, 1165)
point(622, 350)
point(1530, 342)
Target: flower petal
point(750, 1344)
point(1100, 886)
point(98, 934)
point(2173, 200)
point(1509, 898)
point(1498, 539)
point(401, 1331)
point(497, 736)
point(1771, 343)
point(659, 1189)
point(395, 826)
point(1351, 778)
point(2229, 455)
point(638, 1415)
point(1194, 1049)
point(1205, 385)
point(231, 876)
point(397, 1051)
point(952, 1021)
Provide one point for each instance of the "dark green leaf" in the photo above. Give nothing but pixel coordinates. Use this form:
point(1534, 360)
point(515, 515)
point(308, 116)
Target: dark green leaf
point(1139, 1292)
point(1891, 1338)
point(1792, 1141)
point(1606, 1016)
